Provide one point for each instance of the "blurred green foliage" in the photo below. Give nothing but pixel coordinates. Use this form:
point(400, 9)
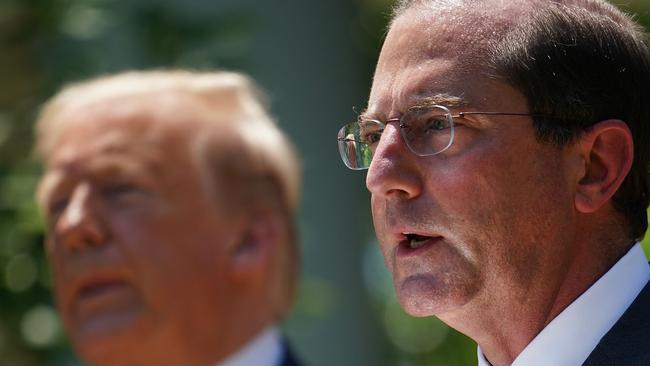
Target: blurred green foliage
point(47, 43)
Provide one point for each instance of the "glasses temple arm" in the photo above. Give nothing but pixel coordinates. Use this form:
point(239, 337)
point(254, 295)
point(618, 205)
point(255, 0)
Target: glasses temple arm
point(463, 114)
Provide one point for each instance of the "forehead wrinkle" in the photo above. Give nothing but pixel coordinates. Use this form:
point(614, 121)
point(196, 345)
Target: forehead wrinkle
point(420, 91)
point(119, 162)
point(426, 43)
point(118, 154)
point(115, 143)
point(423, 66)
point(116, 164)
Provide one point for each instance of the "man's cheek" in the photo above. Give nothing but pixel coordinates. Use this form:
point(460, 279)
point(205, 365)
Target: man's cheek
point(382, 234)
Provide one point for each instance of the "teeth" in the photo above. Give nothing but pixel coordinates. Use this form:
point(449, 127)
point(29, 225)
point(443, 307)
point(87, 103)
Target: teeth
point(414, 244)
point(416, 241)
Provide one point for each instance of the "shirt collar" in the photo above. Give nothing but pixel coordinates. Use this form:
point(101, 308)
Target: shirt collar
point(263, 350)
point(574, 333)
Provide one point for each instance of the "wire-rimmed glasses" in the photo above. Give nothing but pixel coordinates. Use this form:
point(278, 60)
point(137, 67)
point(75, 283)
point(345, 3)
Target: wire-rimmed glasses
point(426, 130)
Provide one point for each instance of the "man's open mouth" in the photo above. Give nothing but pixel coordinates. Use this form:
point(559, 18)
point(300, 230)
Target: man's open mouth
point(99, 288)
point(414, 242)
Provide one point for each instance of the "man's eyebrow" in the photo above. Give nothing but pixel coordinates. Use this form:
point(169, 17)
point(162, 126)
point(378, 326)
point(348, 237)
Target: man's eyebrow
point(365, 115)
point(49, 181)
point(443, 99)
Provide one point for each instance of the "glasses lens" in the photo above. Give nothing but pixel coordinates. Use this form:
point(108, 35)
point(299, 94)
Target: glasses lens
point(428, 131)
point(357, 143)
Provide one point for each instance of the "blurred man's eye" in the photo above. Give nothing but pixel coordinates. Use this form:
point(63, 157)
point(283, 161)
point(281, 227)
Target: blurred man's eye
point(118, 190)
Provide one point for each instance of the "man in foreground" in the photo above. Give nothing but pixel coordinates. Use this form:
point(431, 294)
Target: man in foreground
point(169, 198)
point(507, 147)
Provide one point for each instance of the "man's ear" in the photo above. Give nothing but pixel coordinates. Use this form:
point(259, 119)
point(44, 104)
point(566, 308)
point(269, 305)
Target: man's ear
point(253, 253)
point(607, 151)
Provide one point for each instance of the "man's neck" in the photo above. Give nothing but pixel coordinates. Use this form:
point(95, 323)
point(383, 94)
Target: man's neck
point(579, 328)
point(505, 321)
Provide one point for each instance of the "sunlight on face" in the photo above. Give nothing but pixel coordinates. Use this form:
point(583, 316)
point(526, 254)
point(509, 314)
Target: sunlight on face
point(138, 252)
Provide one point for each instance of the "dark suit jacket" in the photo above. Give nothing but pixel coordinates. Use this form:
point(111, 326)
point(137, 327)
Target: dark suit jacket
point(628, 342)
point(288, 359)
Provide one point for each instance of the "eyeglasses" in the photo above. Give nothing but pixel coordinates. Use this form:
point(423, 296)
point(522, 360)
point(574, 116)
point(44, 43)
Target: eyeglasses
point(426, 130)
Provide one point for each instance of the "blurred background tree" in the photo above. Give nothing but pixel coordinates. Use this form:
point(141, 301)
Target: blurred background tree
point(315, 58)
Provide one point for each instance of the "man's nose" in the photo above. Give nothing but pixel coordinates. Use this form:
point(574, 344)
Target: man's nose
point(81, 224)
point(393, 171)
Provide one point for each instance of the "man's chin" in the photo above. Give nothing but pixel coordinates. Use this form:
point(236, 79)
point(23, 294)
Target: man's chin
point(424, 295)
point(107, 339)
point(419, 306)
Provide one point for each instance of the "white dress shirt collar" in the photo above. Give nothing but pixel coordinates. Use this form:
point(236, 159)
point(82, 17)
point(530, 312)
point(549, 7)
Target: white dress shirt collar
point(263, 350)
point(569, 338)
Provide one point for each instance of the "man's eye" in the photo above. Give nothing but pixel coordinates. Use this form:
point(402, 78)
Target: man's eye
point(436, 124)
point(119, 190)
point(371, 138)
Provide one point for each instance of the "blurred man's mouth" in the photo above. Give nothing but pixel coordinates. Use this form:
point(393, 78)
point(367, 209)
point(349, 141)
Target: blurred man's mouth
point(103, 302)
point(96, 291)
point(100, 296)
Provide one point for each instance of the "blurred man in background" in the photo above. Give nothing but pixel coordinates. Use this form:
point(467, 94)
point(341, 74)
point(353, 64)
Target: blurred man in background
point(507, 144)
point(169, 198)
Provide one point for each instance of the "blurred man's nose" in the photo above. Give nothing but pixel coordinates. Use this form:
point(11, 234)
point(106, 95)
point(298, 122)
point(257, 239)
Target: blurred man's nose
point(81, 224)
point(393, 172)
